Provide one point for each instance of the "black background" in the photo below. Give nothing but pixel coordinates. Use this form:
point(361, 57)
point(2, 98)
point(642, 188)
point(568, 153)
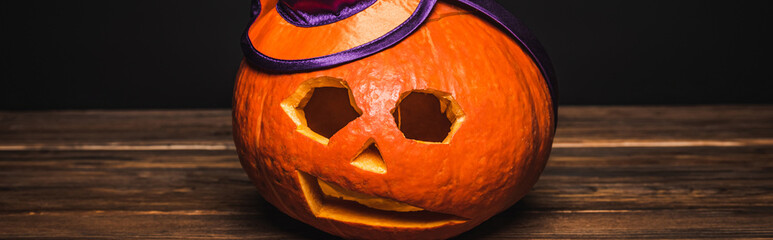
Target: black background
point(184, 54)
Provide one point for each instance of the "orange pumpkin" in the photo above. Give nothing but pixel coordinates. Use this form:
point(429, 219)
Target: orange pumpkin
point(423, 140)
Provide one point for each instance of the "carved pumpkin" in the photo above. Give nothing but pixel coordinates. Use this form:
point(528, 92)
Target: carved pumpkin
point(426, 137)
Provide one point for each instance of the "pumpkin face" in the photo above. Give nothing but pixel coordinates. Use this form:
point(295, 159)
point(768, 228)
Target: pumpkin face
point(425, 139)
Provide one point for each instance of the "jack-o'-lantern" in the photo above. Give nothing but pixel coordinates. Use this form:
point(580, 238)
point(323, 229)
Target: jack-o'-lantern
point(392, 119)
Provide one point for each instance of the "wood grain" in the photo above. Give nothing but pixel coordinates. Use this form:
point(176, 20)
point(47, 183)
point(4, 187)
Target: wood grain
point(53, 187)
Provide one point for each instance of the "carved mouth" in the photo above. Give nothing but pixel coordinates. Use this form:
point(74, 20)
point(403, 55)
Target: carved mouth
point(330, 201)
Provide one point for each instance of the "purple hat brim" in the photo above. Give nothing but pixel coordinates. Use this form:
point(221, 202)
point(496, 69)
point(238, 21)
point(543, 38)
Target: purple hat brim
point(389, 39)
point(488, 8)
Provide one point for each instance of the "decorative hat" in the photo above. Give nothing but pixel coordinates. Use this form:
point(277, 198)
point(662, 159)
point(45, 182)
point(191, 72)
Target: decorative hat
point(363, 28)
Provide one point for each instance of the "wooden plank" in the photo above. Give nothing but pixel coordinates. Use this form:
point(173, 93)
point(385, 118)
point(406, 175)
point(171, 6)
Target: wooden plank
point(211, 129)
point(658, 224)
point(575, 179)
point(125, 180)
point(622, 178)
point(581, 192)
point(722, 125)
point(655, 224)
point(115, 128)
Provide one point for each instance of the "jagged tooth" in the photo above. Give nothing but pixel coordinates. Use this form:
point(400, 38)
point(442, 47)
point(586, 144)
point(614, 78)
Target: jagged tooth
point(335, 191)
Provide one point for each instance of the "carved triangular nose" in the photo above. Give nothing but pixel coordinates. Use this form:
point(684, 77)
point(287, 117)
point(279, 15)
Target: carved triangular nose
point(369, 159)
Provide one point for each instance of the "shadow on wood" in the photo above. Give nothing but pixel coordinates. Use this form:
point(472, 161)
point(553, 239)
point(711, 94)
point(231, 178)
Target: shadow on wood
point(511, 219)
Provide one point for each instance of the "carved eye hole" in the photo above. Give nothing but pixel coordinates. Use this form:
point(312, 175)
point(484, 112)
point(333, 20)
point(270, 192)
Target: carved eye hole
point(428, 116)
point(320, 107)
point(328, 110)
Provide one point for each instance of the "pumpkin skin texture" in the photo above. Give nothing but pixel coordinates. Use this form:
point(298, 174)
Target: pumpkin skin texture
point(495, 152)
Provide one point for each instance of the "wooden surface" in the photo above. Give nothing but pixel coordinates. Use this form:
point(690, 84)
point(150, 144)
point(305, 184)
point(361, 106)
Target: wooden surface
point(615, 172)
